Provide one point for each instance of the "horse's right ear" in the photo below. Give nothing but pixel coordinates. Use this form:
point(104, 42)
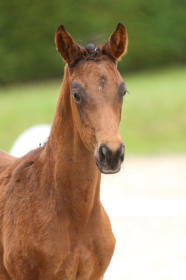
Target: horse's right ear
point(66, 46)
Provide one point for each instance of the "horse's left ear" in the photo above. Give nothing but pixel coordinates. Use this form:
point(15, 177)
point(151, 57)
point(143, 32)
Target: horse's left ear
point(116, 46)
point(66, 46)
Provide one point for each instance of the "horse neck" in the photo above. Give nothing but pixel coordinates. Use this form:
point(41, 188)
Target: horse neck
point(77, 180)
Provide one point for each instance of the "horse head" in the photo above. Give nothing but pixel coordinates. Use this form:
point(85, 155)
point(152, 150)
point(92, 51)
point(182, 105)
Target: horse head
point(96, 94)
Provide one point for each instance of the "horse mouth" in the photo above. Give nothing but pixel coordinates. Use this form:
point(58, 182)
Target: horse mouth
point(107, 170)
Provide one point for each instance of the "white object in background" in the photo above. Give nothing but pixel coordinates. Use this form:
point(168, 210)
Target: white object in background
point(30, 139)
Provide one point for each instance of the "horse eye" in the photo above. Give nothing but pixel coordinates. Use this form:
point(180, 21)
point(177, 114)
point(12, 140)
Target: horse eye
point(77, 97)
point(124, 92)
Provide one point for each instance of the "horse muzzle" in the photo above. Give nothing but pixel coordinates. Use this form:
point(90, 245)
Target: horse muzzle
point(109, 161)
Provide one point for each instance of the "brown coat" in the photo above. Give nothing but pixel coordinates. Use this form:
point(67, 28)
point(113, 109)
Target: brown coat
point(52, 223)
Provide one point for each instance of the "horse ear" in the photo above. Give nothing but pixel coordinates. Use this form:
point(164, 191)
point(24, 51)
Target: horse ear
point(66, 46)
point(116, 46)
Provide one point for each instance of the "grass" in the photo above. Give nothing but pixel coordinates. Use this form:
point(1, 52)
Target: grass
point(153, 117)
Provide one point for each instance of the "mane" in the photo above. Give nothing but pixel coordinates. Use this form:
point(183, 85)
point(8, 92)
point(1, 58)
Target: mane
point(94, 53)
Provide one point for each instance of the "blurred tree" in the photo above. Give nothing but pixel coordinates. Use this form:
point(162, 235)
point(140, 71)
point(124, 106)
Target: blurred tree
point(27, 52)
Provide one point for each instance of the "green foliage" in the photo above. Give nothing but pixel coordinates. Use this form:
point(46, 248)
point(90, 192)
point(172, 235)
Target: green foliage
point(153, 117)
point(27, 51)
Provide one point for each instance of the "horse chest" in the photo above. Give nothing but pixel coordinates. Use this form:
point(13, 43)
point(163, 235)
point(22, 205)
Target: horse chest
point(65, 256)
point(87, 255)
point(88, 260)
point(79, 264)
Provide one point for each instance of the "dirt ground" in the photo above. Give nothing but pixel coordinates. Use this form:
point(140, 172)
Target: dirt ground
point(146, 203)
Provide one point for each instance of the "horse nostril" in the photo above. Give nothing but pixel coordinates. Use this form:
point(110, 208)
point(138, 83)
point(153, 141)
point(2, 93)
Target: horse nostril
point(122, 149)
point(112, 159)
point(122, 157)
point(119, 155)
point(102, 153)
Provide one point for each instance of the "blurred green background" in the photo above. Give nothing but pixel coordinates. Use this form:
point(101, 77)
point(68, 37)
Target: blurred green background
point(154, 69)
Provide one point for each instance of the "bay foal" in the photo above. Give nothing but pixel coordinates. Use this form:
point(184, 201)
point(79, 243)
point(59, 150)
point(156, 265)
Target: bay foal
point(52, 223)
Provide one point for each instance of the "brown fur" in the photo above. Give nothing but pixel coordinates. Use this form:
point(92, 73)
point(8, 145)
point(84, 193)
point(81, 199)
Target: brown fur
point(116, 46)
point(52, 223)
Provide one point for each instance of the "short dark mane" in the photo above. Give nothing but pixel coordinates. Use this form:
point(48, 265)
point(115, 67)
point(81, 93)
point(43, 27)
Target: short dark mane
point(101, 55)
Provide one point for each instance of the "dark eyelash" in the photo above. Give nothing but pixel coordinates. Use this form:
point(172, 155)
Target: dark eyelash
point(76, 96)
point(125, 91)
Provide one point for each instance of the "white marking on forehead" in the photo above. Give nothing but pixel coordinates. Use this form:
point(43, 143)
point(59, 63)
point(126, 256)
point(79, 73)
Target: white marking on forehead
point(100, 88)
point(102, 82)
